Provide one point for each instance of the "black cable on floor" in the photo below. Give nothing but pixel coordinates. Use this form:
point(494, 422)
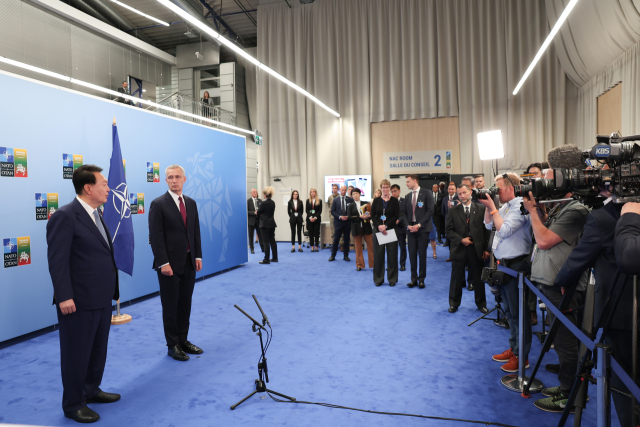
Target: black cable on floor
point(329, 405)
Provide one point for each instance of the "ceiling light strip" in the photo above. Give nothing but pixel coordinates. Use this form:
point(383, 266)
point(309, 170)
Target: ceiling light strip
point(228, 43)
point(120, 95)
point(546, 43)
point(139, 13)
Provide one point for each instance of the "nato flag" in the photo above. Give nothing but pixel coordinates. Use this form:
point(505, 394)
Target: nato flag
point(117, 210)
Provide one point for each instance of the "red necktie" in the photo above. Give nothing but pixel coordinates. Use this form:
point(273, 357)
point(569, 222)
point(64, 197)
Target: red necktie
point(183, 211)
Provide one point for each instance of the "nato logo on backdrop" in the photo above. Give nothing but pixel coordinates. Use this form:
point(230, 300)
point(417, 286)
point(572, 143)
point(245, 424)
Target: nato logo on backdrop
point(13, 162)
point(136, 201)
point(153, 172)
point(46, 205)
point(17, 251)
point(70, 162)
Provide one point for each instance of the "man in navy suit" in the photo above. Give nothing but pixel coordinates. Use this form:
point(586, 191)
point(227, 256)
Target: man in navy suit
point(418, 209)
point(85, 281)
point(341, 223)
point(174, 234)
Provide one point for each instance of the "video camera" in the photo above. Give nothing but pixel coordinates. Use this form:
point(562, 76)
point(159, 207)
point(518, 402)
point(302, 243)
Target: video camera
point(622, 178)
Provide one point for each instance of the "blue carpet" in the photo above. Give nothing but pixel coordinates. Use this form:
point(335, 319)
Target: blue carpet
point(338, 339)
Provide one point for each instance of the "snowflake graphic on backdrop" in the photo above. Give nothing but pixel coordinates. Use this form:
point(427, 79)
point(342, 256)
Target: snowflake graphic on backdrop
point(212, 197)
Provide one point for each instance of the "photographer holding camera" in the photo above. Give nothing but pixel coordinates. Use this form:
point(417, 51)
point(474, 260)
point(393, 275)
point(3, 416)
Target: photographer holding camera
point(511, 247)
point(556, 234)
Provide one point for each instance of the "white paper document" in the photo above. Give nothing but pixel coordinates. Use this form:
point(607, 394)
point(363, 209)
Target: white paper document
point(390, 237)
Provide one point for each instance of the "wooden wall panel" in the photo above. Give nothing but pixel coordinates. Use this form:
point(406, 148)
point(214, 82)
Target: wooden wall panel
point(415, 135)
point(610, 111)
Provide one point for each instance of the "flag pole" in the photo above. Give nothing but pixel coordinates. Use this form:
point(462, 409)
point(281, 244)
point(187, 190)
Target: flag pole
point(119, 318)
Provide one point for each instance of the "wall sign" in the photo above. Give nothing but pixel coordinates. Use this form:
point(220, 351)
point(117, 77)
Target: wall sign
point(417, 161)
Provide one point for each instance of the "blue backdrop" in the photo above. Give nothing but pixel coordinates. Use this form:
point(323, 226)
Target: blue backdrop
point(73, 123)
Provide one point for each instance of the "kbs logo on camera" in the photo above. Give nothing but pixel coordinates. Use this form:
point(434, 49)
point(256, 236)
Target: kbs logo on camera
point(13, 162)
point(46, 205)
point(17, 251)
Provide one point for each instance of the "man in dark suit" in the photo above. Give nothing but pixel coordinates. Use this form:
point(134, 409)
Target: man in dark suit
point(341, 223)
point(252, 207)
point(596, 249)
point(469, 247)
point(124, 89)
point(401, 227)
point(85, 281)
point(438, 208)
point(174, 232)
point(418, 210)
point(448, 202)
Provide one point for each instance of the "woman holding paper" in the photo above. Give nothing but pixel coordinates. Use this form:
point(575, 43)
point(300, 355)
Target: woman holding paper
point(385, 211)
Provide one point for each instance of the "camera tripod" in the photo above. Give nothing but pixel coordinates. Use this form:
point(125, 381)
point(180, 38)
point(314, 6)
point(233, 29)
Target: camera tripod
point(578, 395)
point(263, 371)
point(501, 318)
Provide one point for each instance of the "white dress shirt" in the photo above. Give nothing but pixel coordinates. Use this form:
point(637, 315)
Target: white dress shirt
point(88, 208)
point(255, 203)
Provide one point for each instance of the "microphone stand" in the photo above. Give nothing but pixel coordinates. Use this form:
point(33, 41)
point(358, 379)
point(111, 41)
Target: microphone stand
point(263, 371)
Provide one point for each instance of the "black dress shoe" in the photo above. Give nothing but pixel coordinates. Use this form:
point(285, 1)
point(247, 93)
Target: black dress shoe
point(421, 284)
point(346, 258)
point(274, 260)
point(440, 241)
point(264, 261)
point(453, 309)
point(252, 251)
point(176, 353)
point(483, 310)
point(412, 284)
point(84, 415)
point(470, 287)
point(187, 347)
point(104, 397)
point(293, 250)
point(402, 268)
point(378, 284)
point(332, 258)
point(299, 249)
point(553, 368)
point(358, 269)
point(392, 284)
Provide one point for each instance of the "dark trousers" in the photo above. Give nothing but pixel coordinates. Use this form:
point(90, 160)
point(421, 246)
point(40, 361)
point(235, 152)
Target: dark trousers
point(510, 297)
point(620, 342)
point(402, 246)
point(379, 264)
point(565, 343)
point(440, 226)
point(257, 230)
point(84, 336)
point(343, 229)
point(269, 243)
point(457, 278)
point(296, 226)
point(418, 243)
point(314, 233)
point(175, 295)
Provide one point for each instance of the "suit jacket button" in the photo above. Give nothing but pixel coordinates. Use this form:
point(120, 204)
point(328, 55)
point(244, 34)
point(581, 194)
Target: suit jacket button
point(114, 270)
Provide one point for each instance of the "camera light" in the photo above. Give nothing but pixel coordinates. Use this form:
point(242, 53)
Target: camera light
point(490, 145)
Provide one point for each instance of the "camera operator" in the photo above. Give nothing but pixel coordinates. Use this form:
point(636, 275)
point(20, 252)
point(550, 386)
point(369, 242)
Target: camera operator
point(627, 249)
point(511, 246)
point(556, 234)
point(596, 249)
point(536, 169)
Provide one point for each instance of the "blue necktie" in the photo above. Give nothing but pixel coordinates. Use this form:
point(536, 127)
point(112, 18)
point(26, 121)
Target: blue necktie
point(96, 215)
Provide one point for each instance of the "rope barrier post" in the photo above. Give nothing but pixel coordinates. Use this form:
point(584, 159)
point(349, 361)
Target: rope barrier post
point(517, 382)
point(603, 372)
